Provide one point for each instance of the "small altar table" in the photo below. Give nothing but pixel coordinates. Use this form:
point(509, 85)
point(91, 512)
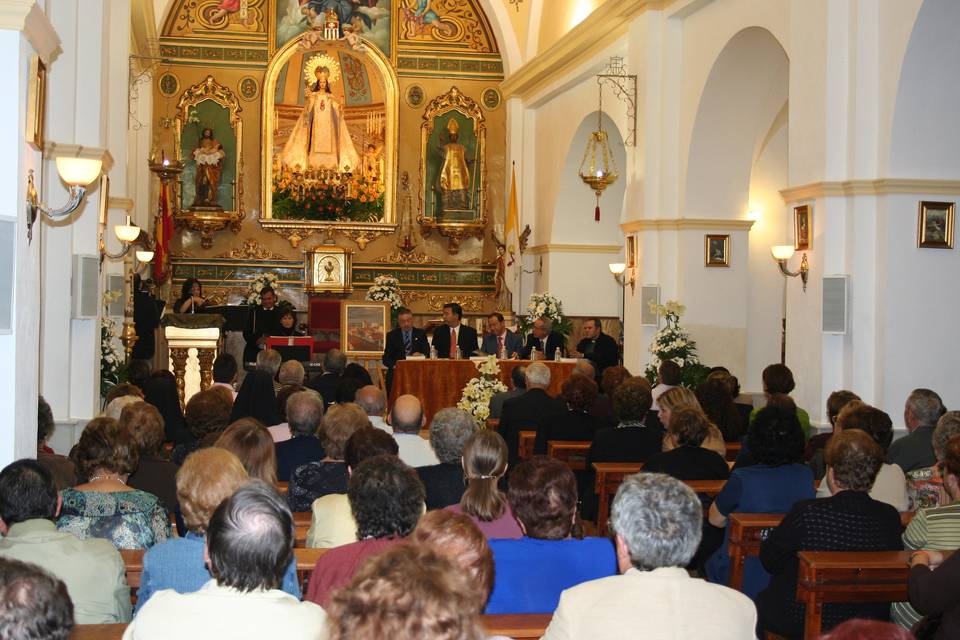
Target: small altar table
point(439, 383)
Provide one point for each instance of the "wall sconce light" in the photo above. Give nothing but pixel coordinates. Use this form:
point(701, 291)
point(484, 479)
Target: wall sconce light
point(783, 252)
point(77, 173)
point(619, 271)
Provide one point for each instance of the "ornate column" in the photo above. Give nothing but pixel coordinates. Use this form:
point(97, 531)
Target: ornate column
point(179, 355)
point(206, 357)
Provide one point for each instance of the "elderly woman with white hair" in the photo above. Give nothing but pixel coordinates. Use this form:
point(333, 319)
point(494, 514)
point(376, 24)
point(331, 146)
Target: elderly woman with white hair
point(656, 522)
point(449, 431)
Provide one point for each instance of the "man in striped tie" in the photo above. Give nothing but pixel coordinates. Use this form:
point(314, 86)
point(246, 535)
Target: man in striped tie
point(403, 341)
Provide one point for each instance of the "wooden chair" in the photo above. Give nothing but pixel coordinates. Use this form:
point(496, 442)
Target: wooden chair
point(749, 530)
point(283, 488)
point(493, 424)
point(733, 450)
point(301, 524)
point(98, 631)
point(517, 626)
point(848, 576)
point(573, 452)
point(609, 475)
point(525, 449)
point(706, 487)
point(306, 559)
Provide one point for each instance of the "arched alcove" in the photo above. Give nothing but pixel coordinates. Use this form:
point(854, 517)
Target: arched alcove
point(926, 130)
point(747, 87)
point(573, 214)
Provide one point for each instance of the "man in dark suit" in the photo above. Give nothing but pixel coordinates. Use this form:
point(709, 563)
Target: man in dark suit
point(406, 339)
point(500, 338)
point(334, 362)
point(263, 321)
point(598, 347)
point(528, 410)
point(453, 334)
point(543, 339)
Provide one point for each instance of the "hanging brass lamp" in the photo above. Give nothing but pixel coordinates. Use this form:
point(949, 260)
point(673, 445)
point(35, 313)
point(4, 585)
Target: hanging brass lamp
point(597, 169)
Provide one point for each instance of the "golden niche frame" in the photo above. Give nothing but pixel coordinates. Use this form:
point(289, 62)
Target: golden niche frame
point(208, 220)
point(328, 269)
point(296, 230)
point(467, 108)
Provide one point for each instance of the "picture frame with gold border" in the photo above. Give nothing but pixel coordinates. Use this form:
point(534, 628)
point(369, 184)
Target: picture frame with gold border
point(328, 269)
point(363, 327)
point(36, 102)
point(935, 224)
point(716, 250)
point(802, 227)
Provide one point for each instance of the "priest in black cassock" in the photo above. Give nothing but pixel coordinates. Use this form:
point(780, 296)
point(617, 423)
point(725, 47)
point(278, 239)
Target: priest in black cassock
point(146, 319)
point(598, 347)
point(263, 321)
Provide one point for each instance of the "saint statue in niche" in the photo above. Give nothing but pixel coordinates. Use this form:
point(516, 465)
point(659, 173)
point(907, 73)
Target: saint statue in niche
point(320, 139)
point(208, 156)
point(454, 179)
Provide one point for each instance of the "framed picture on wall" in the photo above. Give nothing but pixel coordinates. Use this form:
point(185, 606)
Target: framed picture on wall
point(716, 250)
point(363, 327)
point(802, 227)
point(631, 252)
point(935, 225)
point(36, 102)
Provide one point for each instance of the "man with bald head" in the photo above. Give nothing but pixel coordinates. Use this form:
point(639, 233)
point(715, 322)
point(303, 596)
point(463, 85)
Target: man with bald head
point(374, 404)
point(407, 420)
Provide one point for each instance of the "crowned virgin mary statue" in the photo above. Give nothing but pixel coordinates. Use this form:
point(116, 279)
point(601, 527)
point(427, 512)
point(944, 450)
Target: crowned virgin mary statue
point(320, 139)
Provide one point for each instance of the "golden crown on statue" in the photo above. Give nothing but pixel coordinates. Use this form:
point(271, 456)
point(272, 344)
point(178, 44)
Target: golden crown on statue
point(318, 61)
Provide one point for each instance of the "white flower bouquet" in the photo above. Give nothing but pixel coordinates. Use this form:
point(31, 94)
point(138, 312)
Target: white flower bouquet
point(112, 358)
point(545, 305)
point(386, 289)
point(258, 284)
point(475, 399)
point(673, 343)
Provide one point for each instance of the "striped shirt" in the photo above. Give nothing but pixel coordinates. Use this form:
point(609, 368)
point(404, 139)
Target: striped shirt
point(938, 529)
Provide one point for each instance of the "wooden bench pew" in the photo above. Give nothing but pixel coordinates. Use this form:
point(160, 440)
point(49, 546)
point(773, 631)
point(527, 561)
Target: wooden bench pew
point(609, 475)
point(749, 530)
point(301, 524)
point(283, 488)
point(733, 450)
point(525, 448)
point(518, 627)
point(573, 452)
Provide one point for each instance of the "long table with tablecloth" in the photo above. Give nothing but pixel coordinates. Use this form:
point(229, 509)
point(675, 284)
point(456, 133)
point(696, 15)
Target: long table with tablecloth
point(439, 383)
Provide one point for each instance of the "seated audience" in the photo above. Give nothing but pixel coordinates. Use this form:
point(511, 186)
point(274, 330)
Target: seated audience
point(858, 629)
point(357, 371)
point(138, 371)
point(683, 457)
point(325, 384)
point(631, 440)
point(518, 385)
point(251, 443)
point(813, 453)
point(406, 420)
point(532, 571)
point(160, 390)
point(104, 506)
point(772, 485)
point(743, 405)
point(578, 393)
point(256, 399)
point(777, 378)
point(34, 604)
point(455, 536)
point(304, 414)
point(386, 499)
point(60, 467)
point(484, 464)
point(936, 528)
point(116, 406)
point(527, 410)
point(122, 390)
point(374, 403)
point(656, 526)
point(444, 482)
point(92, 569)
point(410, 592)
point(269, 360)
point(921, 412)
point(717, 404)
point(225, 371)
point(207, 416)
point(611, 378)
point(850, 520)
point(669, 375)
point(890, 485)
point(329, 474)
point(291, 381)
point(154, 473)
point(680, 398)
point(332, 523)
point(925, 485)
point(203, 482)
point(346, 391)
point(250, 547)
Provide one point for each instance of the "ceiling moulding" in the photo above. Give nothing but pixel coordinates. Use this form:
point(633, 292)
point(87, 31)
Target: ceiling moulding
point(575, 248)
point(878, 187)
point(26, 16)
point(606, 24)
point(687, 224)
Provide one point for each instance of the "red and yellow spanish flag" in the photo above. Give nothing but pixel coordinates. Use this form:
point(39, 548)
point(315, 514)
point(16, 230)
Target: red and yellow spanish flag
point(163, 228)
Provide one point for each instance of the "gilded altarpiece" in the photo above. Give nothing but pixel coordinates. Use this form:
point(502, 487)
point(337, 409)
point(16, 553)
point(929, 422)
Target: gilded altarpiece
point(386, 51)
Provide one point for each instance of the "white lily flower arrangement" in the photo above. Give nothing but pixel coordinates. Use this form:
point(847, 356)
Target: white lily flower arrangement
point(259, 284)
point(475, 399)
point(671, 342)
point(386, 289)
